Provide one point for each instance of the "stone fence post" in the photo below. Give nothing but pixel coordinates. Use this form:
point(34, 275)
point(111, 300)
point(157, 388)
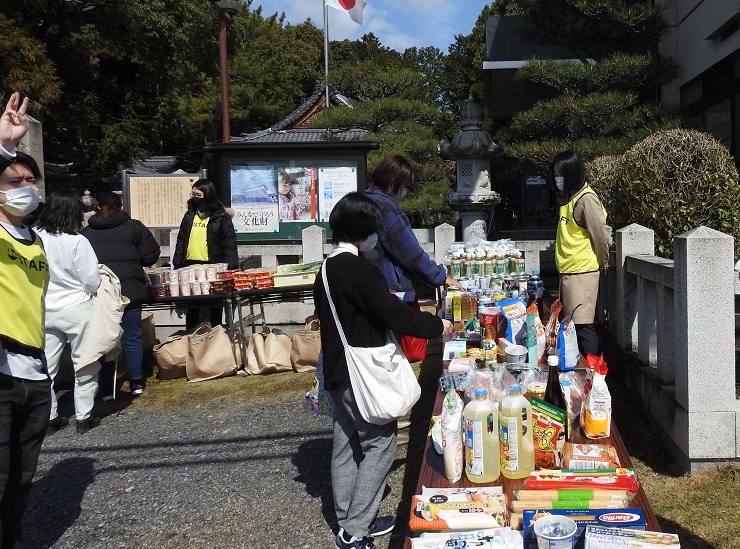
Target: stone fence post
point(704, 304)
point(444, 235)
point(313, 243)
point(631, 240)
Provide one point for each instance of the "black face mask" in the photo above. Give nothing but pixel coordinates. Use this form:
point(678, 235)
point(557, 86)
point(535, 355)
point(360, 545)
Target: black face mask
point(197, 202)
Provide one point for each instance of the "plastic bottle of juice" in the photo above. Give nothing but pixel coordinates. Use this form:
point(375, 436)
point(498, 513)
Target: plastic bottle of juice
point(515, 435)
point(481, 439)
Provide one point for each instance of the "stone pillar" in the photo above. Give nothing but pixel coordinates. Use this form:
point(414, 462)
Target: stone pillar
point(313, 243)
point(444, 235)
point(705, 321)
point(631, 240)
point(666, 337)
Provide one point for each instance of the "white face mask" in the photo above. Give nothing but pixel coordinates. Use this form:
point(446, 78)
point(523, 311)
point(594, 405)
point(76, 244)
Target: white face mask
point(21, 201)
point(560, 182)
point(369, 243)
point(402, 193)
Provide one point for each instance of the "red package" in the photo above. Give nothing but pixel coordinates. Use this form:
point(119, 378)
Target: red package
point(604, 479)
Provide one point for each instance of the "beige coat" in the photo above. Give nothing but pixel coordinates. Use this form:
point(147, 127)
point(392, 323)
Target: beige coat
point(104, 333)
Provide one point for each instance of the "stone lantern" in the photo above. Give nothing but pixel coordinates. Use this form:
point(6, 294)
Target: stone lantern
point(472, 150)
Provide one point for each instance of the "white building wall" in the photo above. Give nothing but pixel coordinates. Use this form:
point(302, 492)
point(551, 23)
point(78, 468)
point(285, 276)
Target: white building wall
point(694, 21)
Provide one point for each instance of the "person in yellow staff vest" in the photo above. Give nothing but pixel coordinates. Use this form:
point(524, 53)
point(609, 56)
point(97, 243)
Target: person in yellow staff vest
point(25, 387)
point(581, 247)
point(206, 235)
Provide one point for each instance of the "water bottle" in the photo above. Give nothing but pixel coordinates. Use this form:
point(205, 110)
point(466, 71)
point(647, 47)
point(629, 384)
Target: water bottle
point(535, 287)
point(515, 435)
point(482, 464)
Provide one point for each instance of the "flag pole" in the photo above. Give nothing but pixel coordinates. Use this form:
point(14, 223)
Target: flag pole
point(326, 50)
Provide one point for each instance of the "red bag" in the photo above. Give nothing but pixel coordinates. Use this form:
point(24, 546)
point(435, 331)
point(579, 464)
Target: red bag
point(414, 348)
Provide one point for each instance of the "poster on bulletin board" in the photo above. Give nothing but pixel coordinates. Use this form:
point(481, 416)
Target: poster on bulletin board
point(269, 197)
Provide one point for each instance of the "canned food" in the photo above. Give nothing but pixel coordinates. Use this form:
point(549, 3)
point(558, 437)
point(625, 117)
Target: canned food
point(536, 389)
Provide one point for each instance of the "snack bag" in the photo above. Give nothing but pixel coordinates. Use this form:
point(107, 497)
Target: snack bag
point(515, 312)
point(596, 411)
point(452, 435)
point(536, 340)
point(553, 326)
point(568, 344)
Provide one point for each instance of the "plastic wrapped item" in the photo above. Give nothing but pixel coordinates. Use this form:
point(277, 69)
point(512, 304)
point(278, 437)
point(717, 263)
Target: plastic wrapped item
point(568, 344)
point(482, 378)
point(596, 411)
point(452, 436)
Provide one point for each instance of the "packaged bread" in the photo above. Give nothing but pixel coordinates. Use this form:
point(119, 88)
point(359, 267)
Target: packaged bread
point(589, 456)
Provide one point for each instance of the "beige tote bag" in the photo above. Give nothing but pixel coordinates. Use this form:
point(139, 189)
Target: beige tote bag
point(306, 346)
point(268, 352)
point(209, 354)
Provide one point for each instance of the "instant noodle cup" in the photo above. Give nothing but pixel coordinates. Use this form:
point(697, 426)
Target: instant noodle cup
point(205, 287)
point(555, 532)
point(211, 273)
point(174, 289)
point(195, 288)
point(185, 288)
point(200, 274)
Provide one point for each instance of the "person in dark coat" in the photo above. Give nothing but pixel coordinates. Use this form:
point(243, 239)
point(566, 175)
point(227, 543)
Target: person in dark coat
point(125, 246)
point(206, 235)
point(362, 452)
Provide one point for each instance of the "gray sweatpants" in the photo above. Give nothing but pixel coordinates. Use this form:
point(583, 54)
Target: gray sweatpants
point(361, 459)
point(70, 326)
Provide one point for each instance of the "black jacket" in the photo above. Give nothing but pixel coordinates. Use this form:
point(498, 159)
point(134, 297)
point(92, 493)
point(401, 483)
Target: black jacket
point(220, 239)
point(366, 309)
point(125, 246)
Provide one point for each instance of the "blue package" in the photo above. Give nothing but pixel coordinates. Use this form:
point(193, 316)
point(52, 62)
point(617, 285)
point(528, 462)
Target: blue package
point(619, 518)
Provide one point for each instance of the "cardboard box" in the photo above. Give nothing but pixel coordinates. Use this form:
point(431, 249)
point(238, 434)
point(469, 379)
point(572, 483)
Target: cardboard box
point(631, 517)
point(606, 538)
point(294, 279)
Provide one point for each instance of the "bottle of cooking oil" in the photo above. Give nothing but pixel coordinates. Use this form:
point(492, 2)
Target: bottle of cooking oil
point(515, 435)
point(481, 439)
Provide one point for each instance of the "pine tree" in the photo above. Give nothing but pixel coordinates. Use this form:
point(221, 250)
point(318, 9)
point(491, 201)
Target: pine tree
point(604, 101)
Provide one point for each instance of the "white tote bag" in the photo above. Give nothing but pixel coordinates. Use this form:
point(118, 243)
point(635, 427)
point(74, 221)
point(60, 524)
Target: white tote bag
point(383, 383)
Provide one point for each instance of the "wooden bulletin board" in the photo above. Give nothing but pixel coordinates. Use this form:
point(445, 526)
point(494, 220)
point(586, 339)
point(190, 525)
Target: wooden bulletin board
point(158, 200)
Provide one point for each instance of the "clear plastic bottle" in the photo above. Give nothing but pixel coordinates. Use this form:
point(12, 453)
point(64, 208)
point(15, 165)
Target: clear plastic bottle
point(481, 439)
point(515, 435)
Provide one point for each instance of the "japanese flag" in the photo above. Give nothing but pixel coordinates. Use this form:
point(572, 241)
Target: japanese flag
point(352, 7)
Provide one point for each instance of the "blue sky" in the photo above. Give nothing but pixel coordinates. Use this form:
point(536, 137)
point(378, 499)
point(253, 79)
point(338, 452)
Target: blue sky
point(398, 24)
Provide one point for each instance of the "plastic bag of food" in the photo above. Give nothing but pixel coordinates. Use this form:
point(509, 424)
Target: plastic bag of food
point(515, 312)
point(452, 435)
point(568, 344)
point(536, 341)
point(480, 378)
point(596, 411)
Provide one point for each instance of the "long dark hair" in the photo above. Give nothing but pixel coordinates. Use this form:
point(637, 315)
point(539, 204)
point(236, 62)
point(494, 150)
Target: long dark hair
point(570, 165)
point(210, 201)
point(108, 204)
point(392, 174)
point(353, 218)
point(62, 213)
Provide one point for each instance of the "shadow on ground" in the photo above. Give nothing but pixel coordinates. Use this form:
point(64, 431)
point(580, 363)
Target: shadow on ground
point(55, 502)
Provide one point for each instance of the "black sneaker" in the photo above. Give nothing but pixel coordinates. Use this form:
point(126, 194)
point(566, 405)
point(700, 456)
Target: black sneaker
point(382, 526)
point(106, 393)
point(353, 543)
point(59, 422)
point(136, 386)
point(84, 425)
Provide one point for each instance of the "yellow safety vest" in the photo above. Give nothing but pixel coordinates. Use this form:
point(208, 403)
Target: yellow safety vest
point(24, 277)
point(573, 250)
point(198, 240)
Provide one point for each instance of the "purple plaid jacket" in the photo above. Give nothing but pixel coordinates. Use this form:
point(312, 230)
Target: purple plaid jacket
point(398, 255)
